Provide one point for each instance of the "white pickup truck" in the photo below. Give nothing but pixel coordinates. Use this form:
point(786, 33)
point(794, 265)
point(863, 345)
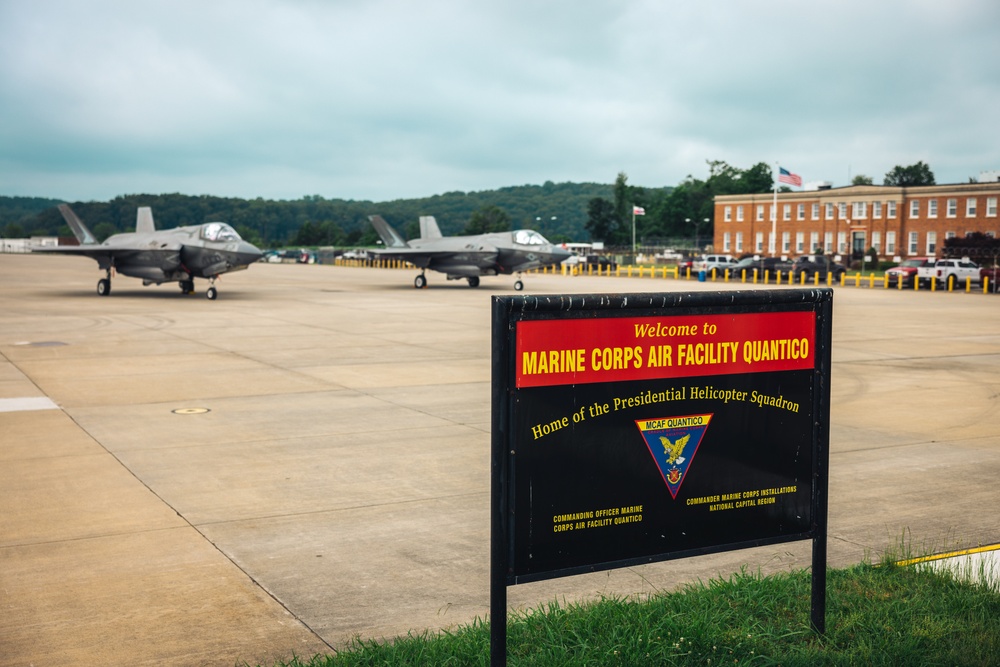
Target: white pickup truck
point(950, 273)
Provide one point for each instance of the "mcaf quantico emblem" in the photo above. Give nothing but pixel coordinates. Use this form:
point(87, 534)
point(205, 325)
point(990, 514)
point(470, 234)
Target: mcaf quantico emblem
point(673, 442)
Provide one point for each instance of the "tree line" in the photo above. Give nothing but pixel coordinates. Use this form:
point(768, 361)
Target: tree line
point(563, 212)
point(557, 210)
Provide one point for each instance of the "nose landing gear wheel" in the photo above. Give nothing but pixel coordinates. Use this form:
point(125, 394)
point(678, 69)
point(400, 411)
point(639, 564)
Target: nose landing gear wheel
point(420, 282)
point(518, 286)
point(104, 287)
point(211, 294)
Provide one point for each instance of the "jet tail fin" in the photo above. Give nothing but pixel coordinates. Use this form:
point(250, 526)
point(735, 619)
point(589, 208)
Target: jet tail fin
point(144, 220)
point(390, 237)
point(80, 231)
point(429, 227)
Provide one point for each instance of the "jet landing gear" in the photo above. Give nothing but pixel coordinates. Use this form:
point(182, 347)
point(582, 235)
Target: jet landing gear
point(187, 286)
point(420, 281)
point(473, 281)
point(518, 285)
point(104, 285)
point(211, 293)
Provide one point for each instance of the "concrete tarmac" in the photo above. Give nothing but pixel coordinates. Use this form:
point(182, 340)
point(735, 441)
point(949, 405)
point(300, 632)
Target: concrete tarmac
point(306, 459)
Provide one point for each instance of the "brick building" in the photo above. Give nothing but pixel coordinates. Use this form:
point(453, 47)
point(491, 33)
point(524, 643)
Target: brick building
point(898, 222)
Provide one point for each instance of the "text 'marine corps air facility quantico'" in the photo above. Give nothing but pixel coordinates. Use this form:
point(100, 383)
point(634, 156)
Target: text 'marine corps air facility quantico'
point(898, 222)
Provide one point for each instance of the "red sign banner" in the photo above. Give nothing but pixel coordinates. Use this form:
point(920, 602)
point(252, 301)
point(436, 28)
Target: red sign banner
point(615, 349)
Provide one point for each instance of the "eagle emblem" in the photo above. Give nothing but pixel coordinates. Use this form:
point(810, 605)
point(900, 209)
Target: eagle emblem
point(673, 450)
point(673, 443)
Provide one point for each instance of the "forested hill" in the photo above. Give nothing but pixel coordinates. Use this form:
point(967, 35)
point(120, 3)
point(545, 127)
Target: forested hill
point(557, 210)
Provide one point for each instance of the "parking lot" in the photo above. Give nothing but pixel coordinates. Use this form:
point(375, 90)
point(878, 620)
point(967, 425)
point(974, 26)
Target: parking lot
point(306, 459)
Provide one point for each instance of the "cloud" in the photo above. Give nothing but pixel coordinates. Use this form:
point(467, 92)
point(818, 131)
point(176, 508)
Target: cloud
point(390, 99)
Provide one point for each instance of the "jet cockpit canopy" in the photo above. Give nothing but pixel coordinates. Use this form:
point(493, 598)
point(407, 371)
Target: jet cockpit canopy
point(529, 237)
point(219, 231)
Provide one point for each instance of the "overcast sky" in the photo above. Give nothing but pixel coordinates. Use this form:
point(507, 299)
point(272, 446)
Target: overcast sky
point(392, 99)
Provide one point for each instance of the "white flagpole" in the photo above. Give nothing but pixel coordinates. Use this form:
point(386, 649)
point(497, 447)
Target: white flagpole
point(772, 243)
point(633, 233)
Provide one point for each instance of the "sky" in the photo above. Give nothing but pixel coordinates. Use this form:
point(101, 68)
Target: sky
point(391, 99)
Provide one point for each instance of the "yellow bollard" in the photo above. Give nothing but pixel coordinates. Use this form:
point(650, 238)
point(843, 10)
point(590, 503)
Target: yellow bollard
point(871, 280)
point(986, 284)
point(677, 273)
point(756, 272)
point(713, 274)
point(857, 280)
point(968, 284)
point(743, 275)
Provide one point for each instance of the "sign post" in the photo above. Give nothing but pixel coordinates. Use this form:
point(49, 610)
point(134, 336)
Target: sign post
point(638, 428)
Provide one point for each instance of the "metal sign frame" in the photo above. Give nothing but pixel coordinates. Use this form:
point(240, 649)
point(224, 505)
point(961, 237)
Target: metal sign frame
point(637, 428)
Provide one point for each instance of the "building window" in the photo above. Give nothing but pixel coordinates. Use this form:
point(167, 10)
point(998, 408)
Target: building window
point(800, 241)
point(950, 235)
point(786, 212)
point(800, 212)
point(829, 211)
point(991, 207)
point(970, 207)
point(915, 208)
point(815, 210)
point(860, 210)
point(877, 242)
point(841, 242)
point(952, 208)
point(813, 241)
point(932, 207)
point(786, 242)
point(842, 210)
point(890, 243)
point(913, 243)
point(890, 209)
point(725, 242)
point(739, 213)
point(739, 241)
point(828, 242)
point(759, 242)
point(760, 212)
point(727, 214)
point(931, 244)
point(876, 209)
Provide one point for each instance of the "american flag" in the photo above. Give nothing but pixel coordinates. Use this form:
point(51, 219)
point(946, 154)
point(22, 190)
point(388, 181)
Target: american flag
point(785, 176)
point(638, 210)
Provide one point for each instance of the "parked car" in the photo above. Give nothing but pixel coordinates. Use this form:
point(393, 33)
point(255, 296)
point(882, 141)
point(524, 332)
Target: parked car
point(718, 262)
point(808, 266)
point(949, 273)
point(907, 271)
point(991, 274)
point(770, 265)
point(686, 263)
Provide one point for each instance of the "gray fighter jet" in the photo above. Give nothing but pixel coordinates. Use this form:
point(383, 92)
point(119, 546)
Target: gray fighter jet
point(181, 254)
point(468, 257)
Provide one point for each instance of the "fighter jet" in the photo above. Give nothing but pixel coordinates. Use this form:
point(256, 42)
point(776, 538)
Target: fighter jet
point(181, 254)
point(468, 257)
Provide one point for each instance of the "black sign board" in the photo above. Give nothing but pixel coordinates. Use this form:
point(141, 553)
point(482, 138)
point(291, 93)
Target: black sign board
point(637, 428)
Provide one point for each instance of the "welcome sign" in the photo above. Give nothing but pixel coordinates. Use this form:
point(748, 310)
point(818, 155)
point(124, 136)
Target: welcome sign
point(635, 428)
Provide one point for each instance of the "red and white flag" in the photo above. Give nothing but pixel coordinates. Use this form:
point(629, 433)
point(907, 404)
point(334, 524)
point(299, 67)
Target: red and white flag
point(785, 176)
point(638, 210)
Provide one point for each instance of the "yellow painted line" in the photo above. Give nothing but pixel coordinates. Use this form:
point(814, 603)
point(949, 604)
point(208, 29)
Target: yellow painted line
point(950, 554)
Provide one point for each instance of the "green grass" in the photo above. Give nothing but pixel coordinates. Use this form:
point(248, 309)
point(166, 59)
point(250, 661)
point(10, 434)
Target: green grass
point(876, 615)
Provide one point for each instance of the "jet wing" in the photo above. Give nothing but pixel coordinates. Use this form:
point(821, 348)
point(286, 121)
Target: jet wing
point(108, 255)
point(440, 259)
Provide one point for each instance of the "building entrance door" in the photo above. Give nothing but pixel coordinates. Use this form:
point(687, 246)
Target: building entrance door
point(858, 245)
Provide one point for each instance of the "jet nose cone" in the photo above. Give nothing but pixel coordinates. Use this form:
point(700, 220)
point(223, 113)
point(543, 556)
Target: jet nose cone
point(559, 254)
point(248, 253)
